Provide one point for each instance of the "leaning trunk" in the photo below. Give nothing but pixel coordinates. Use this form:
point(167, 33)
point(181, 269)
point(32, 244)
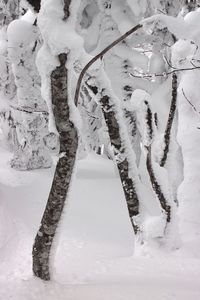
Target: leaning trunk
point(64, 169)
point(121, 159)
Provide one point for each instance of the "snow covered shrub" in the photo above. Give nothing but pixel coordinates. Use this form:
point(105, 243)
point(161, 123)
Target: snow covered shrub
point(9, 10)
point(30, 111)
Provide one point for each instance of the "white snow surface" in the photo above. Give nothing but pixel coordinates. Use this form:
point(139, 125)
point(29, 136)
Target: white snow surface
point(96, 257)
point(60, 35)
point(183, 28)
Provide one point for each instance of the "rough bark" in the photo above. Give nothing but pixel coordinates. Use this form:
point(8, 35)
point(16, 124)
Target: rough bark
point(172, 113)
point(121, 159)
point(64, 169)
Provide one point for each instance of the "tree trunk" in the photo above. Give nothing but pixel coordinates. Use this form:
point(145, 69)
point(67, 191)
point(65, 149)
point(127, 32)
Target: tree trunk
point(167, 135)
point(121, 159)
point(64, 168)
point(154, 182)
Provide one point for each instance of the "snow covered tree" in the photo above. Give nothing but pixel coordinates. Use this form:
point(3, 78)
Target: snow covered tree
point(30, 111)
point(58, 89)
point(102, 85)
point(120, 82)
point(9, 11)
point(23, 113)
point(68, 147)
point(184, 64)
point(119, 141)
point(167, 152)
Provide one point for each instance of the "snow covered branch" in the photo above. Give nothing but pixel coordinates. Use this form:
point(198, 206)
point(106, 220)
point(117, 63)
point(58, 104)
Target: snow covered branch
point(164, 74)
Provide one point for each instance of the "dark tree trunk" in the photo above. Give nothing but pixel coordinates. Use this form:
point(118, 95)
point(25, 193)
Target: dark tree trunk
point(35, 4)
point(172, 113)
point(9, 11)
point(64, 169)
point(156, 187)
point(121, 159)
point(191, 5)
point(131, 123)
point(154, 182)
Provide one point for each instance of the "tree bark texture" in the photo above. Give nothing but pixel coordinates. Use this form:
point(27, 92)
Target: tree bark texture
point(121, 160)
point(64, 169)
point(172, 113)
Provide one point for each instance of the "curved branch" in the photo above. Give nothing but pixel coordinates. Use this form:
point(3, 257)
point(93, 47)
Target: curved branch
point(100, 55)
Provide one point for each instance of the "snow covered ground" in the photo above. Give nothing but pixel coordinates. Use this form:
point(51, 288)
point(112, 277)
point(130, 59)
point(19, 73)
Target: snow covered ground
point(94, 259)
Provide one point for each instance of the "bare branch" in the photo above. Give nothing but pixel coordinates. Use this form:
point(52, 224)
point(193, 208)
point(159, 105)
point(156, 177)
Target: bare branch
point(193, 64)
point(193, 106)
point(100, 56)
point(164, 73)
point(29, 110)
point(169, 64)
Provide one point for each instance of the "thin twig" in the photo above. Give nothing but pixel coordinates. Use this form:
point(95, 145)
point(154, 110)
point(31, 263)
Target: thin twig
point(29, 110)
point(169, 64)
point(161, 11)
point(164, 73)
point(193, 64)
point(194, 108)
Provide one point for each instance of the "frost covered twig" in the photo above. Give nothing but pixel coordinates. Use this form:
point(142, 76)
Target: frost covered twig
point(164, 74)
point(29, 110)
point(194, 108)
point(169, 64)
